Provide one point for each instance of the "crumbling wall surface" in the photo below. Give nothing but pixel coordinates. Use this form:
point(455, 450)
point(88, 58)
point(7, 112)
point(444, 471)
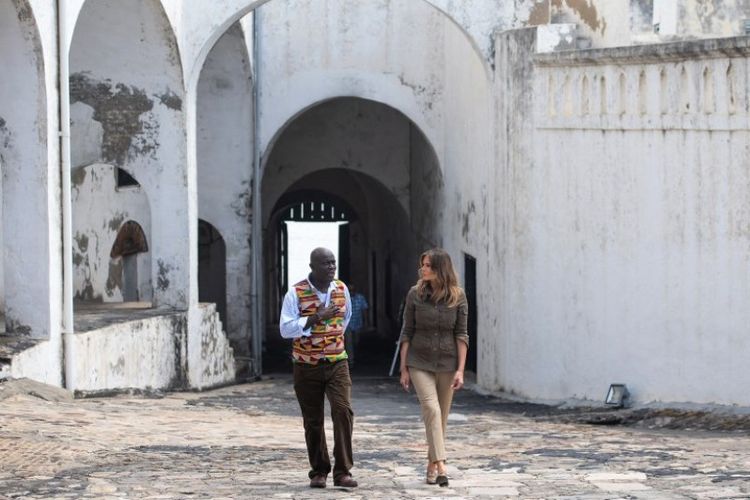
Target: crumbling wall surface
point(146, 354)
point(30, 223)
point(225, 166)
point(99, 211)
point(127, 111)
point(713, 18)
point(630, 261)
point(604, 22)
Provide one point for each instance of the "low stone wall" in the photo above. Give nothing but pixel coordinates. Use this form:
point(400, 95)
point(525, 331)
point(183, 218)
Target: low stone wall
point(146, 354)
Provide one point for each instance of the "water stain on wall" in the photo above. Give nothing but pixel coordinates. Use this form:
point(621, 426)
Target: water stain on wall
point(584, 10)
point(114, 277)
point(539, 14)
point(162, 280)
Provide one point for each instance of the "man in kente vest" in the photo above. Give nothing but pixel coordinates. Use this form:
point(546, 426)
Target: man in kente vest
point(315, 314)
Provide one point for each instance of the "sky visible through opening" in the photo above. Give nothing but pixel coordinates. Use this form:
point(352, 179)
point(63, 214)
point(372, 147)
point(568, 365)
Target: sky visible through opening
point(303, 237)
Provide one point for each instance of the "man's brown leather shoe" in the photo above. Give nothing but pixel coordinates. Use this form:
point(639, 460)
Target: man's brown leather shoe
point(345, 481)
point(318, 481)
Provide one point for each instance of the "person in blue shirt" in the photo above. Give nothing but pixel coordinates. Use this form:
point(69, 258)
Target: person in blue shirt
point(357, 322)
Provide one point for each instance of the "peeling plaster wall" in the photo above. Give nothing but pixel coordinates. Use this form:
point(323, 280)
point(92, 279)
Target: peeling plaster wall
point(626, 224)
point(712, 18)
point(604, 22)
point(99, 211)
point(225, 166)
point(127, 110)
point(210, 357)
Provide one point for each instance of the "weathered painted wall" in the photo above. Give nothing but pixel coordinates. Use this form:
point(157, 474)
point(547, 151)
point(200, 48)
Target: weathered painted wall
point(625, 224)
point(100, 209)
point(713, 18)
point(127, 100)
point(225, 167)
point(210, 359)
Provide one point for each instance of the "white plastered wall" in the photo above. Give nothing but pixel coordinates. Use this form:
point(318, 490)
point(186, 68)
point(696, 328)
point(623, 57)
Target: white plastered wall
point(625, 230)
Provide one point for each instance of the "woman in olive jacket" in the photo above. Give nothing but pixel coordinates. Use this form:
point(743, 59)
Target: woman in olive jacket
point(434, 342)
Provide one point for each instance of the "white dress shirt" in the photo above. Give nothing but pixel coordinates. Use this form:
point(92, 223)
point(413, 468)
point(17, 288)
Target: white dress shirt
point(292, 323)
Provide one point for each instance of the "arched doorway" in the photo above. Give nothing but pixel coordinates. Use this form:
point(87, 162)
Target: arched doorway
point(212, 268)
point(370, 162)
point(129, 251)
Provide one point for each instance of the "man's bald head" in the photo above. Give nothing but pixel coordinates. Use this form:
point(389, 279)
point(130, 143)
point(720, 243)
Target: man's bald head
point(320, 252)
point(322, 267)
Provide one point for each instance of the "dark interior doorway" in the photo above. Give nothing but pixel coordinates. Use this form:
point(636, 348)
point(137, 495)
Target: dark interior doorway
point(470, 283)
point(129, 243)
point(212, 268)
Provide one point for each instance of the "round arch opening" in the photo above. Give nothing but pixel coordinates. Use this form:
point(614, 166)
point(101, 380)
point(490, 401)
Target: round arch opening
point(371, 170)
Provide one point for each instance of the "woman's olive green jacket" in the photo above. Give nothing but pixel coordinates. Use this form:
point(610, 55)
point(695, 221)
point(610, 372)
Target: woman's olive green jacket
point(432, 331)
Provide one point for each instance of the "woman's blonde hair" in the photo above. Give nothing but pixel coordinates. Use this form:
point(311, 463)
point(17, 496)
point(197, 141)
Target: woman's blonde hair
point(444, 288)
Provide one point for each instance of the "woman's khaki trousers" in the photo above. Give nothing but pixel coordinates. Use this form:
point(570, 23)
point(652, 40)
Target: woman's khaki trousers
point(435, 396)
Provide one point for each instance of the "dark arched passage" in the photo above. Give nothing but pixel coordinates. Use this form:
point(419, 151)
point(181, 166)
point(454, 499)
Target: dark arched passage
point(374, 161)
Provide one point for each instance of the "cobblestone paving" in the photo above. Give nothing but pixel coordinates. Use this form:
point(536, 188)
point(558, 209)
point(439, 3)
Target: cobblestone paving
point(246, 442)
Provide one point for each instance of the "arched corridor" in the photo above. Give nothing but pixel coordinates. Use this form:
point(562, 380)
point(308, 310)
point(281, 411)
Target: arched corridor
point(370, 163)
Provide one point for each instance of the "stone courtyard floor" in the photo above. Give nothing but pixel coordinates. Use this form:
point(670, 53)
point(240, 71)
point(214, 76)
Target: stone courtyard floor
point(246, 441)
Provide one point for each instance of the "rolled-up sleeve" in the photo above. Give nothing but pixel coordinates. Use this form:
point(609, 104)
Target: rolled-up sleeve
point(460, 331)
point(407, 327)
point(291, 323)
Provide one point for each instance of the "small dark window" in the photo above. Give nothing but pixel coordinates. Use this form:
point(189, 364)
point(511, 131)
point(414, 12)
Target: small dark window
point(124, 179)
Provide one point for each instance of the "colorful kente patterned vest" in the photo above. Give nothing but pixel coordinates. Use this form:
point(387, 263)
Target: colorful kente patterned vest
point(326, 341)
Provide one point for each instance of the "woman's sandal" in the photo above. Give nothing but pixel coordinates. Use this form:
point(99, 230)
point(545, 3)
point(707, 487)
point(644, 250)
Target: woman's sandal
point(441, 480)
point(432, 477)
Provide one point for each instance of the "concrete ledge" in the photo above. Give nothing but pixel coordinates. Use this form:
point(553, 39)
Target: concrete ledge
point(663, 52)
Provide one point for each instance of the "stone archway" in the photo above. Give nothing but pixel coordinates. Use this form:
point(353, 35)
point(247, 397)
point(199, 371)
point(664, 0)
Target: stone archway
point(376, 161)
